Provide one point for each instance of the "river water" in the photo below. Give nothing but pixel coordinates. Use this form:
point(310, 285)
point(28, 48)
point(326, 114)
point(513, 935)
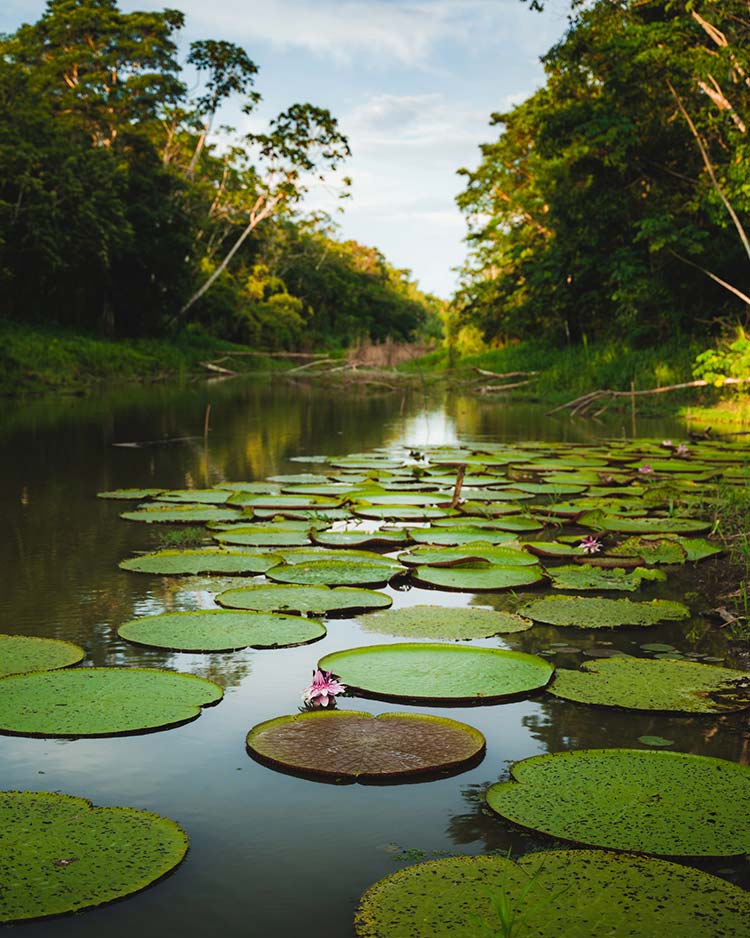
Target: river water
point(269, 853)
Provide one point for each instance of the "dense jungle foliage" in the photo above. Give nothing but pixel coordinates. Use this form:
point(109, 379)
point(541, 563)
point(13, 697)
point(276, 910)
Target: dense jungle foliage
point(124, 212)
point(612, 203)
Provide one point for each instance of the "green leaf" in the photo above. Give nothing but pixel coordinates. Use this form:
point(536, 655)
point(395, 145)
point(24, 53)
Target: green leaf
point(443, 622)
point(590, 612)
point(19, 653)
point(315, 600)
point(204, 560)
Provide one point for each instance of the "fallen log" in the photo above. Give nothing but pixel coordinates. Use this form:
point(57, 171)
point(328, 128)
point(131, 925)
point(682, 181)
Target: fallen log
point(218, 369)
point(507, 374)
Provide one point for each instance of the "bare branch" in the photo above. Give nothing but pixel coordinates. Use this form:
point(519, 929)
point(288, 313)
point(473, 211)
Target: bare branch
point(714, 277)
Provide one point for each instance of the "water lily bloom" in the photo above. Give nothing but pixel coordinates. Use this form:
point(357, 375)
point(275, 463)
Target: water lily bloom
point(591, 544)
point(645, 469)
point(681, 450)
point(667, 444)
point(323, 689)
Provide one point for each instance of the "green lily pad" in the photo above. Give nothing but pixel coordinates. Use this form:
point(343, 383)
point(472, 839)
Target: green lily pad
point(195, 496)
point(475, 579)
point(651, 550)
point(567, 893)
point(60, 854)
point(501, 521)
point(698, 548)
point(593, 612)
point(650, 801)
point(300, 555)
point(101, 701)
point(549, 488)
point(130, 494)
point(334, 573)
point(443, 622)
point(264, 535)
point(202, 560)
point(476, 552)
point(260, 488)
point(281, 502)
point(180, 514)
point(348, 746)
point(658, 741)
point(221, 630)
point(603, 522)
point(650, 684)
point(20, 653)
point(595, 578)
point(399, 512)
point(456, 537)
point(438, 673)
point(363, 539)
point(315, 600)
point(554, 549)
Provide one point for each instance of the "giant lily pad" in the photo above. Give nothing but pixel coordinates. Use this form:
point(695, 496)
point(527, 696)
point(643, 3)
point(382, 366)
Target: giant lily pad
point(202, 560)
point(554, 549)
point(195, 496)
point(593, 612)
point(443, 622)
point(363, 539)
point(399, 512)
point(477, 579)
point(19, 653)
point(595, 578)
point(603, 522)
point(570, 893)
point(101, 701)
point(438, 673)
point(348, 746)
point(650, 801)
point(264, 535)
point(334, 573)
point(456, 537)
point(318, 600)
point(130, 494)
point(221, 630)
point(649, 684)
point(479, 551)
point(181, 514)
point(652, 550)
point(61, 854)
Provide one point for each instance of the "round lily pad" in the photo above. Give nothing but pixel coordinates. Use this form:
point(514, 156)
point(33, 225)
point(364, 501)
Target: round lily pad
point(438, 673)
point(334, 573)
point(443, 622)
point(467, 553)
point(130, 494)
point(267, 535)
point(476, 579)
point(179, 514)
point(649, 684)
point(593, 612)
point(297, 555)
point(602, 522)
point(399, 512)
point(455, 537)
point(195, 496)
point(554, 549)
point(348, 746)
point(570, 893)
point(318, 600)
point(597, 578)
point(651, 550)
point(101, 701)
point(61, 854)
point(221, 630)
point(391, 539)
point(19, 653)
point(202, 560)
point(650, 801)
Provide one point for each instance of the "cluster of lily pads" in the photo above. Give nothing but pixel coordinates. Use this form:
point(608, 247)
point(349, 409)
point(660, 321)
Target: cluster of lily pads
point(553, 520)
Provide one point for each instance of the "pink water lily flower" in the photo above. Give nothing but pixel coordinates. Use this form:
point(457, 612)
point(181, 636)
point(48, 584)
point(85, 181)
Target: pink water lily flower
point(667, 444)
point(591, 544)
point(323, 690)
point(681, 450)
point(645, 469)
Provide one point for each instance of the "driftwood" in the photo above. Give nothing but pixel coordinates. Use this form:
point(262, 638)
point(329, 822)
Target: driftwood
point(312, 364)
point(494, 388)
point(580, 406)
point(507, 374)
point(211, 366)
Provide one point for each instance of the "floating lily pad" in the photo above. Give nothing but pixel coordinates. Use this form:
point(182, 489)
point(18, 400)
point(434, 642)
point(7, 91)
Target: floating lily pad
point(603, 522)
point(476, 552)
point(438, 673)
point(698, 548)
point(61, 854)
point(476, 579)
point(554, 549)
point(318, 600)
point(443, 622)
point(19, 653)
point(202, 560)
point(130, 494)
point(549, 488)
point(299, 555)
point(649, 684)
point(596, 578)
point(668, 803)
point(195, 496)
point(334, 573)
point(399, 512)
point(348, 746)
point(101, 701)
point(570, 893)
point(454, 537)
point(659, 741)
point(179, 514)
point(501, 521)
point(281, 502)
point(221, 630)
point(267, 535)
point(651, 550)
point(355, 539)
point(593, 612)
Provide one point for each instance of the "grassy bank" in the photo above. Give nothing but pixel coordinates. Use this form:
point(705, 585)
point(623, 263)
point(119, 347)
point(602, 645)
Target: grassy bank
point(38, 359)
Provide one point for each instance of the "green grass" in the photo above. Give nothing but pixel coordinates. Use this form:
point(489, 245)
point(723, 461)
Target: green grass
point(35, 359)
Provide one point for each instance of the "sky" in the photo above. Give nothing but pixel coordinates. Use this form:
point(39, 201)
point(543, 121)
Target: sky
point(412, 83)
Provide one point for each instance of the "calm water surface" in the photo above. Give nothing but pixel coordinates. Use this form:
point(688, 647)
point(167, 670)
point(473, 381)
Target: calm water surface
point(269, 853)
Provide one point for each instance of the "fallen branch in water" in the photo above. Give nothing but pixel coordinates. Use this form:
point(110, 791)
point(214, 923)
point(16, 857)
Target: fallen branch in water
point(507, 374)
point(580, 406)
point(494, 388)
point(218, 369)
point(312, 364)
